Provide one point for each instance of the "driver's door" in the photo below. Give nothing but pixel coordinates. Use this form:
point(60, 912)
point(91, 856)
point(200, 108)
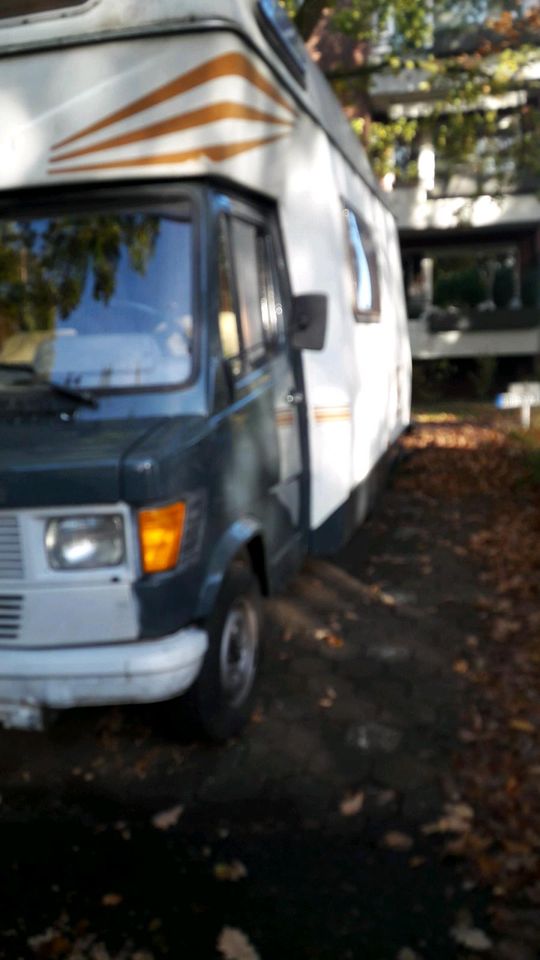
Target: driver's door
point(266, 365)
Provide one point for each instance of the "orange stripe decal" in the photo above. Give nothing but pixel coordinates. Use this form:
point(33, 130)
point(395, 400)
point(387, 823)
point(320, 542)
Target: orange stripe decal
point(285, 418)
point(186, 121)
point(228, 65)
point(331, 414)
point(216, 153)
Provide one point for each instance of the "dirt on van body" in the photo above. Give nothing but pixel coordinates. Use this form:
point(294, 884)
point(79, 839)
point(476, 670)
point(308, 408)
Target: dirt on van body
point(383, 803)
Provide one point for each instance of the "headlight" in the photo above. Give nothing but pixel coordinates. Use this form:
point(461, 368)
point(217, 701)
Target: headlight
point(85, 543)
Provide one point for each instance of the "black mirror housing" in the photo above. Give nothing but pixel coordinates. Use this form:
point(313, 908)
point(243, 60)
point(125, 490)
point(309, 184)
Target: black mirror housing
point(309, 321)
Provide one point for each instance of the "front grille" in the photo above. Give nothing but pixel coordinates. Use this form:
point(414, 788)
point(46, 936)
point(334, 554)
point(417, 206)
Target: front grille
point(11, 559)
point(11, 608)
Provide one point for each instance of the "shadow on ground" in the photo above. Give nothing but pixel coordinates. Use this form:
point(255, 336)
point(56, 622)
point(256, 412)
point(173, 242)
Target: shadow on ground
point(358, 703)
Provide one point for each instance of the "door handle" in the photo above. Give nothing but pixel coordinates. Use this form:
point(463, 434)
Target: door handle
point(295, 398)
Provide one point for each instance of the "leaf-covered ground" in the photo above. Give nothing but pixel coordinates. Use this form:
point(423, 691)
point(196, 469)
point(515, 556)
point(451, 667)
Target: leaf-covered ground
point(497, 768)
point(384, 802)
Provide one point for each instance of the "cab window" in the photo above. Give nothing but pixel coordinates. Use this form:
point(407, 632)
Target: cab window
point(229, 330)
point(250, 301)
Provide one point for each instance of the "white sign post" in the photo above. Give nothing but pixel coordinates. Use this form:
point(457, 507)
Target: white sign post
point(523, 396)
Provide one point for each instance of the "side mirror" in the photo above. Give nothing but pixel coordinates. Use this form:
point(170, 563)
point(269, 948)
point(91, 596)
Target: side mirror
point(309, 318)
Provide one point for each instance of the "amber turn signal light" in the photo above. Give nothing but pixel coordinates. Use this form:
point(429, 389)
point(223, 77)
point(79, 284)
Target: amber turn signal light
point(160, 535)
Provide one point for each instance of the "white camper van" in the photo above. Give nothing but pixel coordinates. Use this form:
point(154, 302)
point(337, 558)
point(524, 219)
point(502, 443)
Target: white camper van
point(203, 345)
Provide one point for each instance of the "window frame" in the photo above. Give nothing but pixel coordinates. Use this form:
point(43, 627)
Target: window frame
point(235, 362)
point(283, 37)
point(373, 314)
point(269, 269)
point(251, 362)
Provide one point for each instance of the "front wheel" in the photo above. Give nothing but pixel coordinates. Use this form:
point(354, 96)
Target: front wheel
point(220, 702)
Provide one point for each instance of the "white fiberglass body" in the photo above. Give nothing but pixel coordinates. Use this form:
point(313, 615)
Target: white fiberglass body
point(111, 92)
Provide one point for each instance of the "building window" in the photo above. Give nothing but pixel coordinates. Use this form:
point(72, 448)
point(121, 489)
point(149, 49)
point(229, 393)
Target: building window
point(365, 274)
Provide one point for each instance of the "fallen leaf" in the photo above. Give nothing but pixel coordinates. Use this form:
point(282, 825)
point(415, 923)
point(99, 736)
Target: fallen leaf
point(333, 641)
point(472, 938)
point(42, 939)
point(231, 872)
point(457, 818)
point(111, 899)
point(524, 726)
point(234, 945)
point(352, 804)
point(329, 698)
point(167, 818)
point(463, 810)
point(394, 840)
point(385, 797)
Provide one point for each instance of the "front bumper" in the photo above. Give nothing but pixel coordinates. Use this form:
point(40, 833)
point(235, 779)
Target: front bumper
point(61, 677)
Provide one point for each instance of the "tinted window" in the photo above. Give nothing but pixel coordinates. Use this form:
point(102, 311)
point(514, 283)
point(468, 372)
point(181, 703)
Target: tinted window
point(271, 299)
point(363, 260)
point(24, 8)
point(97, 301)
point(284, 36)
point(251, 297)
point(229, 331)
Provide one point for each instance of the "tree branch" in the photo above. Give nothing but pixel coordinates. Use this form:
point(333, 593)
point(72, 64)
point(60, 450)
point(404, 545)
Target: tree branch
point(309, 14)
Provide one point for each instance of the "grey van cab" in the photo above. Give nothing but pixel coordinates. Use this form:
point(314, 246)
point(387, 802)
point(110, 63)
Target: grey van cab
point(150, 502)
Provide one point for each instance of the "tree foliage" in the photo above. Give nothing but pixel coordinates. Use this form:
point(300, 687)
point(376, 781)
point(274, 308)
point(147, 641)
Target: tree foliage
point(46, 265)
point(462, 57)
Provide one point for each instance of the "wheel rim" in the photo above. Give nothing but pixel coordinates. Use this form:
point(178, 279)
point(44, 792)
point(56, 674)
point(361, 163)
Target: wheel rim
point(238, 654)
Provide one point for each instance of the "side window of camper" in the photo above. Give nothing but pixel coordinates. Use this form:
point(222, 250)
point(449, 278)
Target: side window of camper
point(363, 259)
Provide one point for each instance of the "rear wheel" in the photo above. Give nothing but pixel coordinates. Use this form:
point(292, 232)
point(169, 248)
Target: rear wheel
point(220, 702)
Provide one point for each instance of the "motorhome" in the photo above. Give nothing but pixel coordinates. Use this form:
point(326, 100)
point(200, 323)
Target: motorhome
point(203, 346)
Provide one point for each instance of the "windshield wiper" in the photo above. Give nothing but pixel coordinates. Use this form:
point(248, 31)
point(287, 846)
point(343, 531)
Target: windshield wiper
point(33, 379)
point(17, 367)
point(79, 396)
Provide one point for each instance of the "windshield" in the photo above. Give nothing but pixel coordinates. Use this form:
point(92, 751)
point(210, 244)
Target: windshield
point(98, 301)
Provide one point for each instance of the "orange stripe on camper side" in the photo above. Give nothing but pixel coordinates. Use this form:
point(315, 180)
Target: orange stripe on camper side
point(284, 418)
point(216, 153)
point(185, 121)
point(228, 65)
point(331, 414)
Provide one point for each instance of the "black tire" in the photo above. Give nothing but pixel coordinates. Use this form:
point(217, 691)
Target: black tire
point(220, 702)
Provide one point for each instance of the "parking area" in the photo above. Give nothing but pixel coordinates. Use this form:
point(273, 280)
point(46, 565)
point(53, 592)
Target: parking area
point(313, 835)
